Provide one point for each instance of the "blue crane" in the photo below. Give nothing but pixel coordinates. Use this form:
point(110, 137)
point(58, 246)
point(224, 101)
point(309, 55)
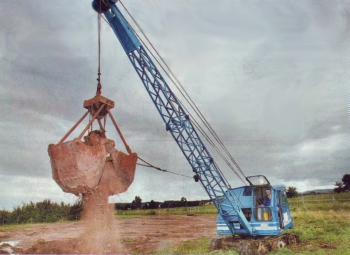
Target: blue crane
point(238, 209)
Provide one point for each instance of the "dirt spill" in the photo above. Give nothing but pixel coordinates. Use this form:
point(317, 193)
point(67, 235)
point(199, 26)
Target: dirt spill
point(101, 233)
point(100, 230)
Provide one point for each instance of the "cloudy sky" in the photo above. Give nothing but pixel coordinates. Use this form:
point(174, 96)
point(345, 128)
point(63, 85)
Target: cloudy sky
point(271, 77)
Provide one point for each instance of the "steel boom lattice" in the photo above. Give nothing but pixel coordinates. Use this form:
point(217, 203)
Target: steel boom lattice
point(176, 119)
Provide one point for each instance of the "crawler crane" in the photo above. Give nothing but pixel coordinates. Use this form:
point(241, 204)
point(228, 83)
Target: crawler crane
point(241, 214)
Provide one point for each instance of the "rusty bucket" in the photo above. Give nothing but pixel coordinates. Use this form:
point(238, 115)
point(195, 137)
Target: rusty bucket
point(119, 172)
point(76, 166)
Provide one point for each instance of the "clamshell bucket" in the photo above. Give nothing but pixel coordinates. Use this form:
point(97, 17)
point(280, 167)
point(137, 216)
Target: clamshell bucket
point(82, 167)
point(76, 166)
point(118, 173)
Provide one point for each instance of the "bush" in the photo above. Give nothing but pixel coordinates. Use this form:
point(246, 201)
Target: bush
point(45, 211)
point(76, 210)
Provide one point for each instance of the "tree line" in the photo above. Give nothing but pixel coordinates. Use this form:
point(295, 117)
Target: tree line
point(45, 211)
point(138, 204)
point(48, 211)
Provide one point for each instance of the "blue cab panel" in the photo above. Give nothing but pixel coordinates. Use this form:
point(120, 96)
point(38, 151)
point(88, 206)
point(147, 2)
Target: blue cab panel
point(267, 217)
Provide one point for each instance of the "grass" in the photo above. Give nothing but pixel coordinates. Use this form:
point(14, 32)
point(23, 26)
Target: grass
point(322, 222)
point(198, 210)
point(323, 227)
point(321, 233)
point(196, 246)
point(8, 227)
point(321, 202)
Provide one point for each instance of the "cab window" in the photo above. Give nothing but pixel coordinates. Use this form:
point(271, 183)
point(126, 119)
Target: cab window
point(284, 198)
point(262, 214)
point(259, 195)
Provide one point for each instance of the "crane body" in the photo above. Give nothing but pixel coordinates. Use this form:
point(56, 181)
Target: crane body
point(238, 212)
point(269, 219)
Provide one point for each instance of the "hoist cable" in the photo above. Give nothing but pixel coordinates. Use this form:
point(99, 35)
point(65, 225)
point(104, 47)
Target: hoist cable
point(196, 111)
point(158, 168)
point(194, 122)
point(99, 86)
point(199, 128)
point(219, 152)
point(190, 102)
point(99, 45)
point(148, 164)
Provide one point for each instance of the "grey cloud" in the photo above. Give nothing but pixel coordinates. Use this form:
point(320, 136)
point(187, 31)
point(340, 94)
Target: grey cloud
point(270, 78)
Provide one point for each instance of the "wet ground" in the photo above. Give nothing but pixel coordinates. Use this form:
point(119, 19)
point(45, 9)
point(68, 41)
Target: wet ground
point(137, 235)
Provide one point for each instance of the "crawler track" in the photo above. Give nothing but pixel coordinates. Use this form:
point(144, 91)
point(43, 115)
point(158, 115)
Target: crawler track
point(260, 246)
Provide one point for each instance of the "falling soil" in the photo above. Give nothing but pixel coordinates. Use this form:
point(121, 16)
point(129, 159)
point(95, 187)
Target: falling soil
point(100, 233)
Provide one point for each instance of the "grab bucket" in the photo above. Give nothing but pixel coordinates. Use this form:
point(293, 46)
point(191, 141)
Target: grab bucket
point(76, 166)
point(119, 172)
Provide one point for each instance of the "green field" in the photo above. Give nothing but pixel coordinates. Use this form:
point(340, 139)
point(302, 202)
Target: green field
point(198, 210)
point(321, 221)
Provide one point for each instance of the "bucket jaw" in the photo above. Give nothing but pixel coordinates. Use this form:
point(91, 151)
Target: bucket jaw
point(77, 167)
point(119, 172)
point(80, 167)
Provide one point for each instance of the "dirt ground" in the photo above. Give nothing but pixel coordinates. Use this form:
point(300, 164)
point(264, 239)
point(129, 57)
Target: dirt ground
point(131, 235)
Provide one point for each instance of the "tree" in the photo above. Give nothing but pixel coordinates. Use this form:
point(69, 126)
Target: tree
point(339, 187)
point(342, 185)
point(4, 216)
point(136, 203)
point(346, 181)
point(292, 192)
point(153, 205)
point(76, 210)
point(183, 201)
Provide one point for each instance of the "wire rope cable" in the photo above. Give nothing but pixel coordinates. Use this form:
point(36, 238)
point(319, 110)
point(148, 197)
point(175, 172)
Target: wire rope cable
point(189, 100)
point(199, 114)
point(99, 86)
point(193, 106)
point(158, 168)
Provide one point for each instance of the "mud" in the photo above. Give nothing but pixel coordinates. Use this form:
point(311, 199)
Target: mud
point(135, 235)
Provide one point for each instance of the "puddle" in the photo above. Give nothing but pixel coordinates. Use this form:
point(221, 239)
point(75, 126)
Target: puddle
point(8, 245)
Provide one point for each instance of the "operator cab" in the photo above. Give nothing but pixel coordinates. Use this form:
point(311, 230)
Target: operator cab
point(258, 180)
point(264, 206)
point(262, 197)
